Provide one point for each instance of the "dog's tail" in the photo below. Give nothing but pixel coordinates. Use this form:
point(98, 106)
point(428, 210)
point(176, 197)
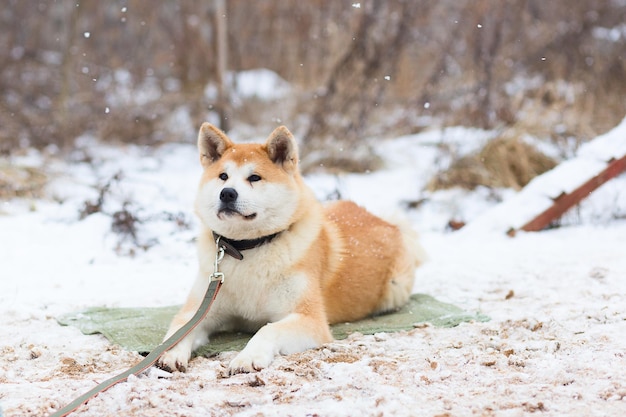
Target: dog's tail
point(408, 259)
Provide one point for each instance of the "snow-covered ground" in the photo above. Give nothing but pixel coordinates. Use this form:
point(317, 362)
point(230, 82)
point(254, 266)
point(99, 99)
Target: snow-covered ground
point(556, 343)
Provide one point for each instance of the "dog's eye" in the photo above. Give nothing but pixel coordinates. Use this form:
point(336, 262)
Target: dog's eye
point(254, 178)
point(223, 176)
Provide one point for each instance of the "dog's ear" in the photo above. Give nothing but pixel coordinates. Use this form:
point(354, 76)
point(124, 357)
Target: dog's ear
point(282, 148)
point(212, 143)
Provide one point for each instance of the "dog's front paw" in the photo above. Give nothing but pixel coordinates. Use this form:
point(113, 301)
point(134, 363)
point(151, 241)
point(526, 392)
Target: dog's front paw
point(246, 362)
point(173, 361)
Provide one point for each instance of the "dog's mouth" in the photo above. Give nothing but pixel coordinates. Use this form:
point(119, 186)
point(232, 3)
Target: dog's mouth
point(225, 212)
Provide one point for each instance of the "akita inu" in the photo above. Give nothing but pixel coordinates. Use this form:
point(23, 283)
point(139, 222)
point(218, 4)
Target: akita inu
point(304, 264)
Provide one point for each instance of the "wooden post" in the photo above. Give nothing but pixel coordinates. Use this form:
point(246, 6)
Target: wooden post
point(67, 74)
point(221, 53)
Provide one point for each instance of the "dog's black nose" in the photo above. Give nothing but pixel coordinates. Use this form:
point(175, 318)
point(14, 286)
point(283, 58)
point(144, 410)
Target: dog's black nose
point(228, 195)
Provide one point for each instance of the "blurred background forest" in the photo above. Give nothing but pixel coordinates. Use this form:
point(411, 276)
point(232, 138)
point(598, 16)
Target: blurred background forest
point(145, 72)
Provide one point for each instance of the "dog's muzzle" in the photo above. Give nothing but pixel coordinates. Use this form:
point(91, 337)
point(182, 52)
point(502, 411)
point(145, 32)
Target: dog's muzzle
point(229, 206)
point(228, 198)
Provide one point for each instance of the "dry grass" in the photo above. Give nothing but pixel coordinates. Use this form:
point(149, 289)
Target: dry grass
point(361, 159)
point(504, 162)
point(20, 181)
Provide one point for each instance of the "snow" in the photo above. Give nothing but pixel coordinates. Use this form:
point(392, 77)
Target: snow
point(611, 145)
point(120, 90)
point(539, 194)
point(614, 34)
point(556, 343)
point(260, 83)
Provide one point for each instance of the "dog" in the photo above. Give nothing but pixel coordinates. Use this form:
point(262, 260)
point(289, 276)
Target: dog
point(305, 265)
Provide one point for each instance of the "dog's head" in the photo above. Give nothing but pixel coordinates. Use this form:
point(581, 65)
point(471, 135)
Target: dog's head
point(247, 190)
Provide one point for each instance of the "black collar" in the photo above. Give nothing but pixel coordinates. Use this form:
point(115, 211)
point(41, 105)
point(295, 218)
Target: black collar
point(234, 247)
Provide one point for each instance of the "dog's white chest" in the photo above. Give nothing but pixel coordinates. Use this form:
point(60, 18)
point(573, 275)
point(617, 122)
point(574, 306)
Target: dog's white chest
point(259, 290)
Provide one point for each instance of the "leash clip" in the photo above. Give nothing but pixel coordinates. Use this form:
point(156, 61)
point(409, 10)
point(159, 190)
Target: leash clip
point(219, 255)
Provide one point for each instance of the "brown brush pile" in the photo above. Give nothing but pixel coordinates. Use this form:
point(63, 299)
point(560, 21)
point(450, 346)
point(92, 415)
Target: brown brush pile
point(507, 162)
point(336, 160)
point(18, 181)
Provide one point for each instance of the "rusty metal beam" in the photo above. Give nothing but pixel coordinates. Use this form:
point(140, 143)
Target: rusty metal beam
point(566, 201)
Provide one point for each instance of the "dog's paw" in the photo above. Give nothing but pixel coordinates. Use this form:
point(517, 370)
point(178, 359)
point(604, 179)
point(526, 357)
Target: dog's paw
point(171, 362)
point(246, 362)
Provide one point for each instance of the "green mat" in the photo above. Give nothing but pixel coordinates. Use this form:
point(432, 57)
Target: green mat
point(141, 329)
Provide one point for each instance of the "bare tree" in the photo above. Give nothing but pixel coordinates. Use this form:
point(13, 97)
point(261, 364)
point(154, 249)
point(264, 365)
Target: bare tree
point(358, 80)
point(223, 100)
point(61, 64)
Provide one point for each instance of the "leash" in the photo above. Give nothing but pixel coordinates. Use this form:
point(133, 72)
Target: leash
point(216, 279)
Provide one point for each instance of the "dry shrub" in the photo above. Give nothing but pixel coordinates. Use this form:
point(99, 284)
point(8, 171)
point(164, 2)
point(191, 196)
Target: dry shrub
point(504, 162)
point(19, 181)
point(358, 160)
point(130, 126)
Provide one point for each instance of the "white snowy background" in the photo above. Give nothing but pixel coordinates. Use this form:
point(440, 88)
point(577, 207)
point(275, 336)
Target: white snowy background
point(555, 345)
